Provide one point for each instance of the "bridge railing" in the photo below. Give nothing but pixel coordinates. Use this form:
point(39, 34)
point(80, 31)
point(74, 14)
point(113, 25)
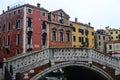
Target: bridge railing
point(28, 61)
point(84, 54)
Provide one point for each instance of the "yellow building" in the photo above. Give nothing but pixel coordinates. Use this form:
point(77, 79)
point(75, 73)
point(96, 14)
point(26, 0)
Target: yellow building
point(83, 35)
point(113, 32)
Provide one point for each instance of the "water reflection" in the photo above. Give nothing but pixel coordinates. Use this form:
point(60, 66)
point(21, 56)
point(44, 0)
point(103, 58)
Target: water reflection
point(55, 75)
point(56, 78)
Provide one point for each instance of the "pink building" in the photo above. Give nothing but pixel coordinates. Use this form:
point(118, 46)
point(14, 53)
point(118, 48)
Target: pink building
point(21, 29)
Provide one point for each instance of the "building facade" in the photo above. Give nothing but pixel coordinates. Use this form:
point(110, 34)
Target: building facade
point(20, 29)
point(58, 31)
point(115, 33)
point(83, 35)
point(100, 40)
point(113, 48)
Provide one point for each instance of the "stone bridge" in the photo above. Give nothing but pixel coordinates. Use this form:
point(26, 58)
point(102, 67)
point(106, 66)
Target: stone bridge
point(37, 64)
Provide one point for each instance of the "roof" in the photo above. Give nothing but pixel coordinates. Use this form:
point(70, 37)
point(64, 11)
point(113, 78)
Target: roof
point(101, 34)
point(82, 24)
point(28, 5)
point(55, 23)
point(114, 29)
point(113, 41)
point(60, 10)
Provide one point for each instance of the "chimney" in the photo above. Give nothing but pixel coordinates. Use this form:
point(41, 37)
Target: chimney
point(38, 5)
point(89, 24)
point(8, 8)
point(76, 20)
point(3, 11)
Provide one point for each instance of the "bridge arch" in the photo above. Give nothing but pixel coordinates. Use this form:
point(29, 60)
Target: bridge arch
point(66, 64)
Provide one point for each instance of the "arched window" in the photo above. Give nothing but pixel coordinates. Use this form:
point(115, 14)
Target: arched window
point(68, 35)
point(61, 17)
point(61, 34)
point(54, 34)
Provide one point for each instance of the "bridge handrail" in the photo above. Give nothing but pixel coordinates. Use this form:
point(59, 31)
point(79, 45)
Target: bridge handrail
point(62, 54)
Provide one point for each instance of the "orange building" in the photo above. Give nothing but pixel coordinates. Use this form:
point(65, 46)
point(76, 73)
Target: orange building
point(59, 32)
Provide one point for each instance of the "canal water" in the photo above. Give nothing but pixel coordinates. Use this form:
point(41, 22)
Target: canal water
point(74, 73)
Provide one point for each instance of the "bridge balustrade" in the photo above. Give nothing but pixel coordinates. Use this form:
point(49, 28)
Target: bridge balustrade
point(28, 61)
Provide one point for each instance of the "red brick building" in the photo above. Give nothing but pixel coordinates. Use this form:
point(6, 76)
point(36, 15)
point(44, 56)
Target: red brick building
point(20, 29)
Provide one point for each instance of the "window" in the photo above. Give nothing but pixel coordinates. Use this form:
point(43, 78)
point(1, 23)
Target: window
point(99, 36)
point(61, 35)
point(71, 25)
point(14, 12)
point(86, 32)
point(74, 38)
point(17, 52)
point(17, 24)
point(53, 34)
point(67, 35)
point(93, 33)
point(3, 28)
point(81, 31)
point(80, 39)
point(61, 17)
point(116, 32)
point(8, 40)
point(111, 37)
point(74, 29)
point(87, 40)
point(74, 46)
point(116, 37)
point(119, 36)
point(99, 43)
point(18, 39)
point(110, 46)
point(103, 37)
point(43, 13)
point(29, 40)
point(44, 39)
point(111, 32)
point(29, 10)
point(29, 22)
point(43, 25)
point(9, 26)
point(18, 11)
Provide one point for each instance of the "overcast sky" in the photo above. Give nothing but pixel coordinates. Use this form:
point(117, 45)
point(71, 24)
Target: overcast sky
point(100, 13)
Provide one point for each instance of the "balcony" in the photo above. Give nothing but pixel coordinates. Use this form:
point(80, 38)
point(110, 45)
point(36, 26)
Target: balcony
point(29, 31)
point(44, 31)
point(44, 46)
point(29, 46)
point(7, 47)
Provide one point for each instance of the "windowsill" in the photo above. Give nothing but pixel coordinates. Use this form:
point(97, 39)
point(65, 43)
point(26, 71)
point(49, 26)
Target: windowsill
point(18, 28)
point(17, 45)
point(61, 41)
point(67, 41)
point(53, 41)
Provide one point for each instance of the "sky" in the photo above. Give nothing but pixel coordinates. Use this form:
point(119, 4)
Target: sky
point(100, 13)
